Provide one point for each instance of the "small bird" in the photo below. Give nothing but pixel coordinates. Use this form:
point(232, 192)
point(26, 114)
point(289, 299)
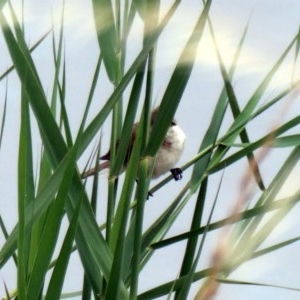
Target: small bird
point(166, 158)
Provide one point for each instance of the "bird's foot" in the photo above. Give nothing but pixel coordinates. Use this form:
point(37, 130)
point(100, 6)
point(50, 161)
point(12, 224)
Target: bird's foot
point(149, 195)
point(177, 173)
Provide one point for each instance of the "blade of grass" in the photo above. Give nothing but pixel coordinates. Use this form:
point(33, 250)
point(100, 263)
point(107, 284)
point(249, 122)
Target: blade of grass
point(121, 219)
point(90, 96)
point(50, 232)
point(245, 114)
point(200, 167)
point(255, 145)
point(182, 294)
point(222, 140)
point(57, 278)
point(161, 226)
point(240, 282)
point(57, 57)
point(250, 213)
point(157, 229)
point(165, 288)
point(40, 40)
point(34, 210)
point(217, 118)
point(25, 193)
point(45, 167)
point(176, 85)
point(145, 165)
point(124, 144)
point(125, 139)
point(64, 115)
point(280, 142)
point(250, 228)
point(87, 289)
point(236, 112)
point(107, 37)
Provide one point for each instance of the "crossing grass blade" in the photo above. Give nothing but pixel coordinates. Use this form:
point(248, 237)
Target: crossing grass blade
point(264, 141)
point(177, 284)
point(36, 45)
point(177, 85)
point(90, 96)
point(246, 114)
point(217, 118)
point(269, 196)
point(235, 218)
point(236, 112)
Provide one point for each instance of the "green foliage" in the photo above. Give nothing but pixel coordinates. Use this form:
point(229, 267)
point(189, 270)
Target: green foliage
point(113, 254)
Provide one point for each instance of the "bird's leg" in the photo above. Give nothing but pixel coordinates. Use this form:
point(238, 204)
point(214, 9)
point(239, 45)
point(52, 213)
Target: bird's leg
point(177, 173)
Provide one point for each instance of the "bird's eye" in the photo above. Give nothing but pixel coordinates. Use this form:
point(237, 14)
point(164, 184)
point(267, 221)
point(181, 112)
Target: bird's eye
point(173, 123)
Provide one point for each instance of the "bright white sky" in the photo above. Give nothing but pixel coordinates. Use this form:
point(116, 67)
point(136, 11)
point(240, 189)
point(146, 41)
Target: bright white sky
point(273, 23)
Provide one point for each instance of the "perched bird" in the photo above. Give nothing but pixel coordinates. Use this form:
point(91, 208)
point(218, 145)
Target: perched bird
point(166, 158)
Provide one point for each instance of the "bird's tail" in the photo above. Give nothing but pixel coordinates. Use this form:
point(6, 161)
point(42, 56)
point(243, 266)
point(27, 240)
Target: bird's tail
point(92, 171)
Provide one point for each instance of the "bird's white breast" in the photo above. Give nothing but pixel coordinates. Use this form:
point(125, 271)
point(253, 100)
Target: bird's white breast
point(170, 151)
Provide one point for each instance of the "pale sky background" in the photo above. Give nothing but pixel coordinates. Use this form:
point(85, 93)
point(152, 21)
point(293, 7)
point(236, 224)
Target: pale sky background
point(273, 23)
